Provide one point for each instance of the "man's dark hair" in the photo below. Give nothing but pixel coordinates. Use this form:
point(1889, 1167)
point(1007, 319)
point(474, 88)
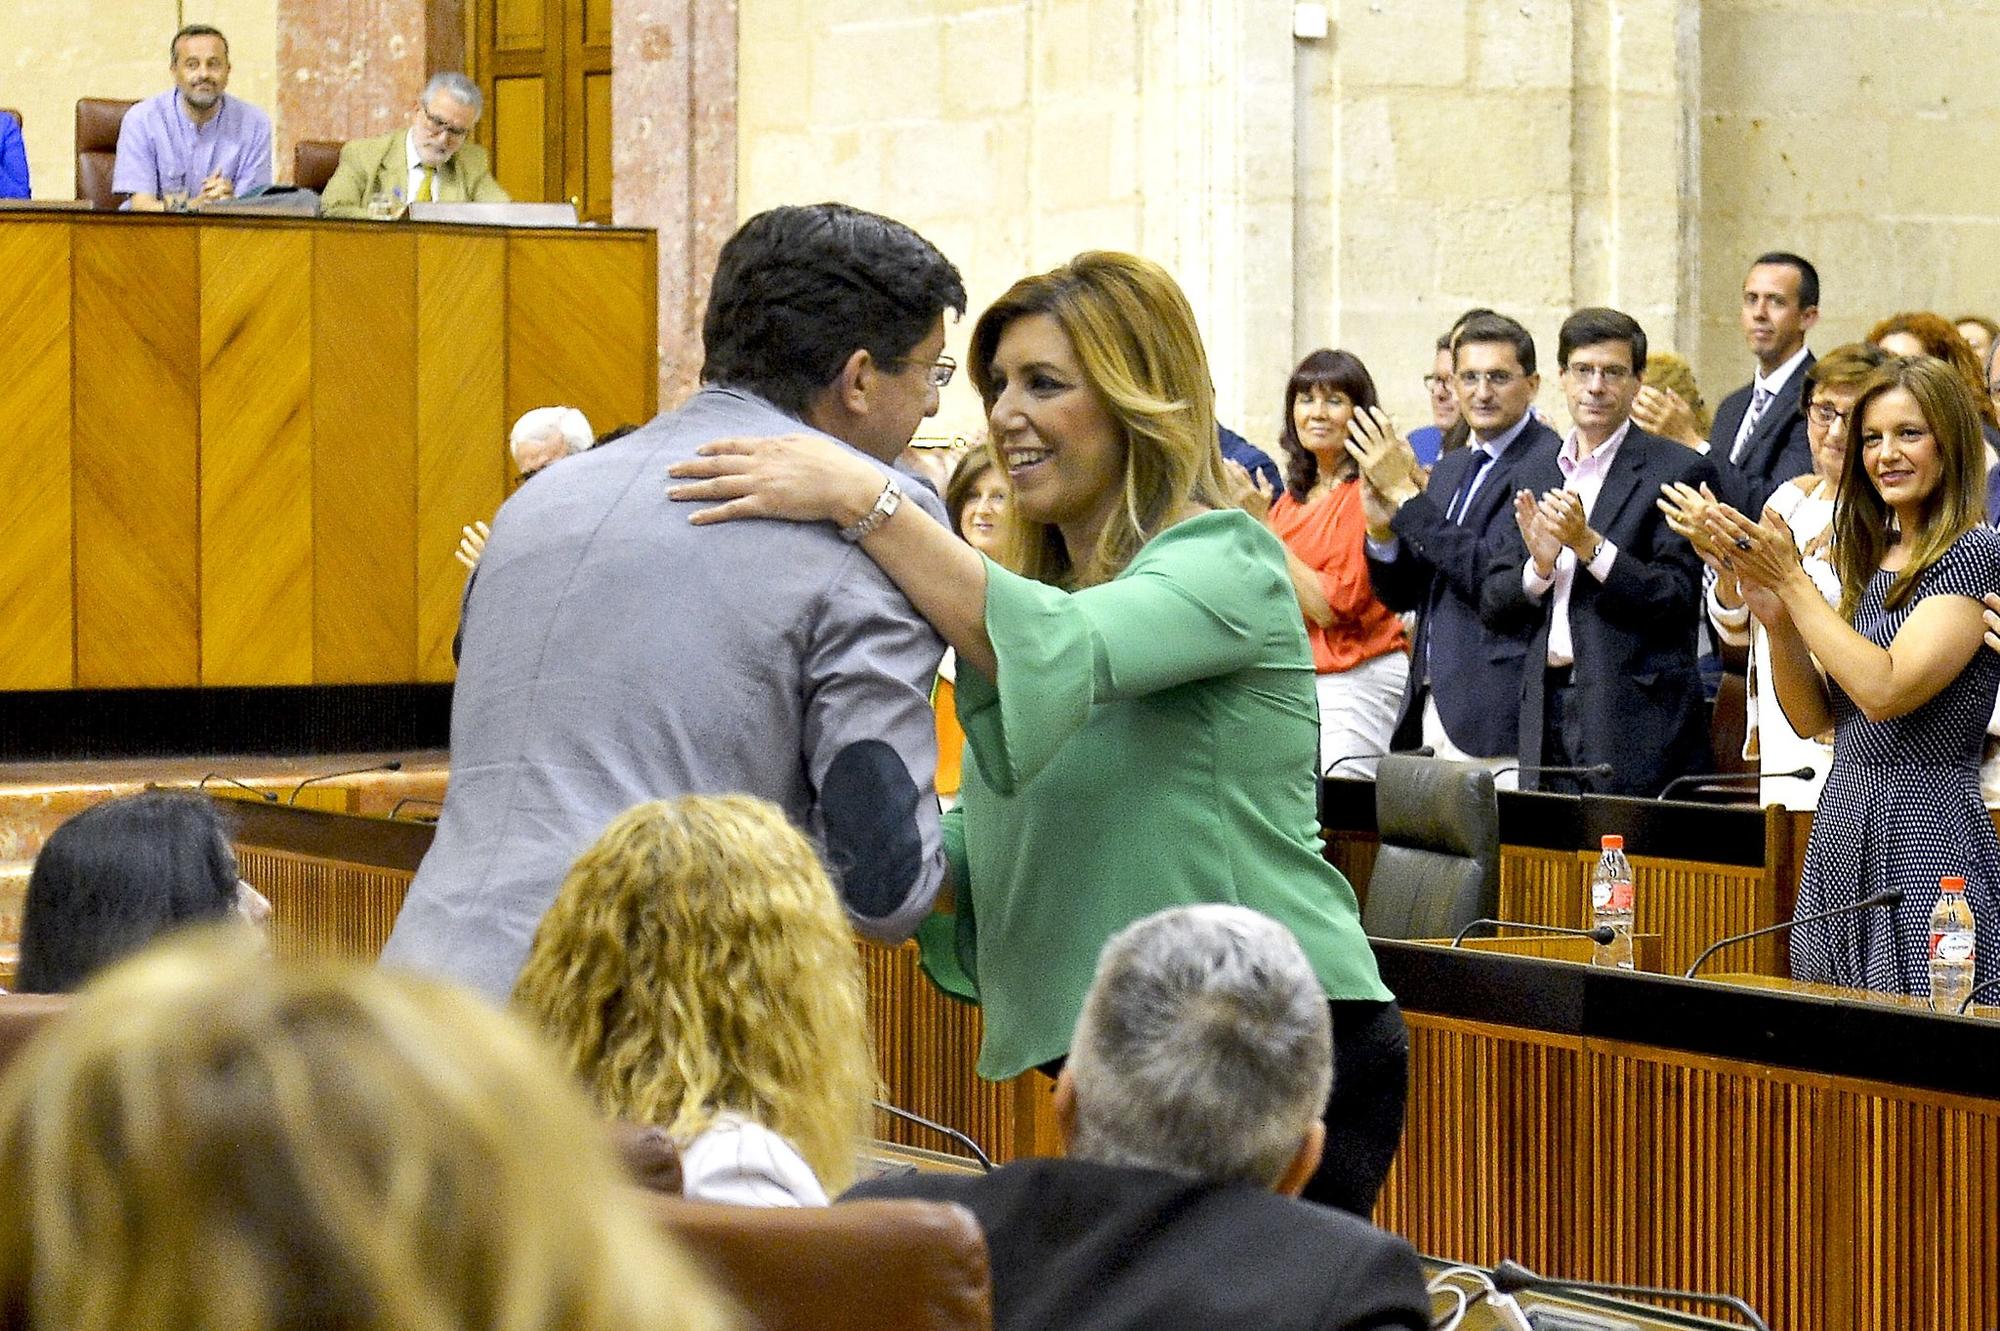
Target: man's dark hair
point(194, 30)
point(1486, 326)
point(1589, 326)
point(798, 290)
point(116, 876)
point(1808, 275)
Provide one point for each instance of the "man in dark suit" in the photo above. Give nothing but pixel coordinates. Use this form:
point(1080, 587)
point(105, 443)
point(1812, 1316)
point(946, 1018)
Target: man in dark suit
point(1609, 592)
point(1429, 545)
point(1190, 1112)
point(1759, 438)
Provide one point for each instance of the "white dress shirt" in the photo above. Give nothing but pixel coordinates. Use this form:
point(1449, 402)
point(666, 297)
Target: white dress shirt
point(746, 1164)
point(1583, 477)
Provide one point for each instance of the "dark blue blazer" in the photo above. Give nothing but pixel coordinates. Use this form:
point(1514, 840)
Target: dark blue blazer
point(1636, 699)
point(1439, 571)
point(1777, 450)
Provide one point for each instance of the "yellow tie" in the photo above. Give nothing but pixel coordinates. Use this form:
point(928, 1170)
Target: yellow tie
point(424, 189)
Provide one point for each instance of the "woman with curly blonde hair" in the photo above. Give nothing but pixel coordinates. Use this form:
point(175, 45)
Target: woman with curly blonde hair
point(696, 972)
point(213, 1139)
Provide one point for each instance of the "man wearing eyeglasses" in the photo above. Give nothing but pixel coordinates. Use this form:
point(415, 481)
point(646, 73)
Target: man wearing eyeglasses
point(1609, 591)
point(430, 162)
point(1429, 545)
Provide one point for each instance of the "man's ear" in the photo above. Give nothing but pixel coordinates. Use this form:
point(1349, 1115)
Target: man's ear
point(1064, 1104)
point(1293, 1181)
point(855, 381)
point(1808, 317)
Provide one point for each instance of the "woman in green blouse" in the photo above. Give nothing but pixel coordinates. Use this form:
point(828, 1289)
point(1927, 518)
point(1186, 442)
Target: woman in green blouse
point(1134, 680)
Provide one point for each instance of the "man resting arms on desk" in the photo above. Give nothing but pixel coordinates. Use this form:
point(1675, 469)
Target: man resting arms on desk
point(430, 162)
point(192, 145)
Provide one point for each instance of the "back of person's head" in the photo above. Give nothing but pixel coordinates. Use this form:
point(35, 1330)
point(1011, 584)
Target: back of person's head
point(1137, 342)
point(118, 875)
point(565, 424)
point(1486, 326)
point(1670, 370)
point(697, 962)
point(1204, 1048)
point(799, 289)
point(211, 1138)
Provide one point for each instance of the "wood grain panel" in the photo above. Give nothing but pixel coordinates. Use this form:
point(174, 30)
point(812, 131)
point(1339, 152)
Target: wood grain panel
point(324, 908)
point(256, 456)
point(579, 327)
point(37, 588)
point(519, 25)
point(1688, 904)
point(135, 448)
point(462, 464)
point(1824, 1202)
point(597, 133)
point(364, 457)
point(519, 131)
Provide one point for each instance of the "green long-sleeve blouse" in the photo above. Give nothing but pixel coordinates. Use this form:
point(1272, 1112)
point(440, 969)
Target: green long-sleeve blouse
point(1150, 743)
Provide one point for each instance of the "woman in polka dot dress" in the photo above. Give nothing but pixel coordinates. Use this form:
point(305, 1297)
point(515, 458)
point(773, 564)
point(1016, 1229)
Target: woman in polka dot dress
point(1905, 685)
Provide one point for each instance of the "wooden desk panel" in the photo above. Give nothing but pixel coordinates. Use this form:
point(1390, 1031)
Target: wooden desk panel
point(136, 387)
point(254, 441)
point(364, 458)
point(36, 596)
point(256, 458)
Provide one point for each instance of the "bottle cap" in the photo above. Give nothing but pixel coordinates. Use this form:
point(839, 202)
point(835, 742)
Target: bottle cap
point(1614, 843)
point(1951, 884)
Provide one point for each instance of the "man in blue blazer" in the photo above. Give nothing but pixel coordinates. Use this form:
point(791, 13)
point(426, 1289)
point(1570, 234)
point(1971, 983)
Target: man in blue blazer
point(1609, 592)
point(1759, 438)
point(1429, 546)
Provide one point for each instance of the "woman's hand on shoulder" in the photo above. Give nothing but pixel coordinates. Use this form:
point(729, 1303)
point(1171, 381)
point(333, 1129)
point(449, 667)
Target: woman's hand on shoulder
point(791, 477)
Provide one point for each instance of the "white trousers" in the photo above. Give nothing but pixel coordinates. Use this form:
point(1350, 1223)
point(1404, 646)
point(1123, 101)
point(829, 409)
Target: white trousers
point(1442, 747)
point(1357, 712)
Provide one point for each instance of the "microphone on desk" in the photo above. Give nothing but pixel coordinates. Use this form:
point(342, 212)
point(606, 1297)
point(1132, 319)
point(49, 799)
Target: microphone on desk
point(1888, 896)
point(412, 799)
point(1511, 1278)
point(393, 765)
point(1425, 751)
point(1805, 773)
point(1992, 986)
point(1595, 769)
point(268, 796)
point(1601, 934)
point(985, 1161)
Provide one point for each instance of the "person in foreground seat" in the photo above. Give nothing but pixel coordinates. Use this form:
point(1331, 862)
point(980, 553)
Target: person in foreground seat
point(1190, 1108)
point(210, 1138)
point(696, 972)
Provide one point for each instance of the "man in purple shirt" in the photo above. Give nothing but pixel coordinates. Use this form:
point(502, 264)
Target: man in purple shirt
point(191, 145)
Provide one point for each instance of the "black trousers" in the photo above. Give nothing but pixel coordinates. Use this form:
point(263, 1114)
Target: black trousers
point(1364, 1110)
point(1364, 1113)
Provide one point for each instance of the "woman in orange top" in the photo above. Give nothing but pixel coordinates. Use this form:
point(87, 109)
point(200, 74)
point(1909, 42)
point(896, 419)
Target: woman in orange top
point(1359, 648)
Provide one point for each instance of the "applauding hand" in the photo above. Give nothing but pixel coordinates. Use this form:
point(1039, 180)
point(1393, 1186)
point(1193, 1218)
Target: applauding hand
point(1387, 461)
point(1249, 491)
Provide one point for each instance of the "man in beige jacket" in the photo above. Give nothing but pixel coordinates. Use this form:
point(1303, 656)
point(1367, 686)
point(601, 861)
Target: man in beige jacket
point(430, 162)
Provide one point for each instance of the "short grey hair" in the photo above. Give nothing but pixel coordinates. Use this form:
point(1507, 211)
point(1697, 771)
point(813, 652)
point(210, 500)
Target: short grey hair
point(540, 423)
point(460, 87)
point(1205, 1047)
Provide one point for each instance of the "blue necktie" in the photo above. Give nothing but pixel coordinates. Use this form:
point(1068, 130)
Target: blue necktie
point(1456, 513)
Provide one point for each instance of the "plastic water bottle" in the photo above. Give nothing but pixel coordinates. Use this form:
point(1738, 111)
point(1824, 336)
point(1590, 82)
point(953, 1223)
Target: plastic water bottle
point(1951, 947)
point(1611, 903)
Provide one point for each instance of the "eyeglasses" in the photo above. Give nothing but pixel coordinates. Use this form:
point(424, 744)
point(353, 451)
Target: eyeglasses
point(445, 127)
point(1611, 376)
point(1435, 382)
point(940, 370)
point(1825, 413)
point(1499, 380)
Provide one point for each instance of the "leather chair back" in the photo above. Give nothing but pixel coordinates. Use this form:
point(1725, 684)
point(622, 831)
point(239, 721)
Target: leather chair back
point(21, 1015)
point(98, 120)
point(862, 1266)
point(314, 162)
point(1437, 867)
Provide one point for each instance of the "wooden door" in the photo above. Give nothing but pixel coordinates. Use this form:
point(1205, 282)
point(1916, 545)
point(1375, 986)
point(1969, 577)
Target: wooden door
point(545, 68)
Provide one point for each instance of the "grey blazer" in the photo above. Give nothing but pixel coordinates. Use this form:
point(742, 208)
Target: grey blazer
point(615, 654)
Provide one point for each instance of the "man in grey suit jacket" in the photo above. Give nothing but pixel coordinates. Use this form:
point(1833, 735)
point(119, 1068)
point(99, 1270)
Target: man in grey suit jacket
point(614, 654)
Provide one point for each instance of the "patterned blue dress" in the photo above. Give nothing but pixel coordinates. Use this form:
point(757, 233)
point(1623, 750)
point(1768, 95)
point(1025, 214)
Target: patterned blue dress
point(1902, 807)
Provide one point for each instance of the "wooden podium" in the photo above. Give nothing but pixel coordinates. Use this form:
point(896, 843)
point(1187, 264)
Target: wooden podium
point(243, 447)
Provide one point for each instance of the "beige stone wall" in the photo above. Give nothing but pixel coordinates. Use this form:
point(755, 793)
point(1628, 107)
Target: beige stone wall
point(66, 49)
point(1862, 134)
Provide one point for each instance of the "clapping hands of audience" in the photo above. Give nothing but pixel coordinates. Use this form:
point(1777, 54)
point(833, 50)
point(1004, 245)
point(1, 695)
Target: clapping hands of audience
point(1664, 412)
point(472, 544)
point(1249, 491)
point(1686, 510)
point(1390, 473)
point(1543, 539)
point(1763, 555)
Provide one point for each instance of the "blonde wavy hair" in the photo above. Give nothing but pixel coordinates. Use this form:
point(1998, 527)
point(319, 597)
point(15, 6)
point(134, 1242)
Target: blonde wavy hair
point(1136, 339)
point(214, 1139)
point(1666, 369)
point(697, 962)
